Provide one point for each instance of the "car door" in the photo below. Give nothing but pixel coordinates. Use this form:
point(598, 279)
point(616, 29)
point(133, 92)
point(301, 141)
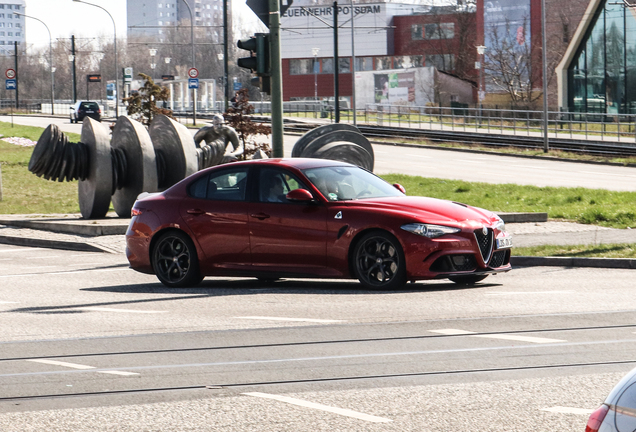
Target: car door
point(286, 236)
point(216, 213)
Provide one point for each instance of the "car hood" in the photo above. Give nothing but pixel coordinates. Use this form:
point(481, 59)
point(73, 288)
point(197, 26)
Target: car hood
point(429, 210)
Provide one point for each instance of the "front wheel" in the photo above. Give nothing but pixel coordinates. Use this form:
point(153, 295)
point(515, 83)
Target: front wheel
point(468, 279)
point(379, 261)
point(175, 261)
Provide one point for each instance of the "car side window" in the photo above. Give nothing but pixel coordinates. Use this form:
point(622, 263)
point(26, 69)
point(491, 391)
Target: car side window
point(228, 185)
point(274, 184)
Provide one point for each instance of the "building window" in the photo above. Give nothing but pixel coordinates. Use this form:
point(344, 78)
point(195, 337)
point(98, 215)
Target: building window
point(10, 34)
point(10, 16)
point(383, 63)
point(17, 34)
point(300, 66)
point(443, 62)
point(327, 66)
point(1, 6)
point(364, 63)
point(344, 65)
point(18, 25)
point(417, 32)
point(1, 15)
point(439, 31)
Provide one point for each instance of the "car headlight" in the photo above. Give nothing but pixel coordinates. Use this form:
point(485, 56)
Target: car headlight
point(429, 230)
point(500, 224)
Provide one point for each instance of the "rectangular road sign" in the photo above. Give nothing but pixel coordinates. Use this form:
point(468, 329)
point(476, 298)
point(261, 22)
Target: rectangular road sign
point(11, 84)
point(193, 83)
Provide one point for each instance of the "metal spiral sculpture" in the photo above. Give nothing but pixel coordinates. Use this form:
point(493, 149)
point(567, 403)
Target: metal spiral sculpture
point(337, 141)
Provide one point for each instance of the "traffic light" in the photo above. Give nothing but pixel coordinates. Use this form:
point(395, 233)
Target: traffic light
point(258, 61)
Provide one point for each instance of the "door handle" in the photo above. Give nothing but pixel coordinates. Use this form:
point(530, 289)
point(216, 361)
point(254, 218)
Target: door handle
point(195, 212)
point(260, 216)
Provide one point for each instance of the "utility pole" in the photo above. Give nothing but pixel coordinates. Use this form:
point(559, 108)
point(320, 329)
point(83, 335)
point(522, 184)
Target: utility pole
point(17, 77)
point(336, 66)
point(225, 56)
point(74, 77)
point(276, 78)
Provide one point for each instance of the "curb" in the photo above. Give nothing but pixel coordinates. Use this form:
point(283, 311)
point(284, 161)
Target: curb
point(615, 263)
point(51, 244)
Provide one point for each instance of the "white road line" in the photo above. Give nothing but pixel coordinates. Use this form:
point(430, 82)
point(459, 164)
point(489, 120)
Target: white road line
point(504, 293)
point(568, 410)
point(122, 373)
point(290, 319)
point(81, 367)
point(531, 339)
point(306, 404)
point(63, 364)
point(105, 309)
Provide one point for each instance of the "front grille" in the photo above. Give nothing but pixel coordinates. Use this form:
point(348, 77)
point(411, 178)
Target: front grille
point(485, 243)
point(498, 259)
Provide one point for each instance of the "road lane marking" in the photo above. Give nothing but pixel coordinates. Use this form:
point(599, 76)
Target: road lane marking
point(81, 367)
point(63, 364)
point(313, 405)
point(105, 309)
point(503, 293)
point(290, 319)
point(568, 410)
point(531, 339)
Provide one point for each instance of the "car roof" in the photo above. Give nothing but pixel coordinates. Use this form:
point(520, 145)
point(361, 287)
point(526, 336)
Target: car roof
point(298, 163)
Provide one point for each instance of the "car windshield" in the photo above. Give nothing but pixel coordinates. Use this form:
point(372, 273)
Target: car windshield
point(340, 183)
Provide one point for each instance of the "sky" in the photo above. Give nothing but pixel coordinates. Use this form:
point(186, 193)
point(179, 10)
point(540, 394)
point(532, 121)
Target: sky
point(66, 17)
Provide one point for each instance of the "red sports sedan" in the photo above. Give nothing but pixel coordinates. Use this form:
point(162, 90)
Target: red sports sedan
point(277, 218)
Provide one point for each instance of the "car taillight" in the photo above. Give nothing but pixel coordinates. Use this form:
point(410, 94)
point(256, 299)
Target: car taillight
point(596, 419)
point(137, 211)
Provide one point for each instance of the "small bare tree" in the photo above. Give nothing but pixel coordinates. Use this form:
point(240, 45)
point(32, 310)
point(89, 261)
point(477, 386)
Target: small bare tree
point(238, 117)
point(142, 105)
point(512, 64)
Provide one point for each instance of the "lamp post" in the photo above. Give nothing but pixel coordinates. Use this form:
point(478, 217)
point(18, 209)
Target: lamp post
point(194, 92)
point(315, 53)
point(71, 58)
point(50, 54)
point(481, 50)
point(100, 56)
point(115, 46)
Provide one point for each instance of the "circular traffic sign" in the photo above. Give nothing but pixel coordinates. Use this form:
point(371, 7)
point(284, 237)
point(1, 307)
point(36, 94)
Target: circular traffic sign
point(193, 72)
point(10, 73)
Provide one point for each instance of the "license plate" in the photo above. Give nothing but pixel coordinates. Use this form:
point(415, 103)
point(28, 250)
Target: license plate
point(504, 243)
point(89, 112)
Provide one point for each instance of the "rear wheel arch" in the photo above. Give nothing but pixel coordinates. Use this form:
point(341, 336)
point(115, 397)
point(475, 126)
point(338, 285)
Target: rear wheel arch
point(161, 233)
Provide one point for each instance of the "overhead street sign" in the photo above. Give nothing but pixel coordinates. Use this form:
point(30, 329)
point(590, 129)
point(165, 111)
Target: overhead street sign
point(10, 73)
point(193, 83)
point(193, 72)
point(10, 84)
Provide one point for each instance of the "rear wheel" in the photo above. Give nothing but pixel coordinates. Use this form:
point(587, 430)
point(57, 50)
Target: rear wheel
point(468, 279)
point(379, 261)
point(175, 261)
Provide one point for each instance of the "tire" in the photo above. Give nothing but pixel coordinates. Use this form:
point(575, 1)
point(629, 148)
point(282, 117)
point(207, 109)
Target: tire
point(468, 279)
point(378, 261)
point(175, 262)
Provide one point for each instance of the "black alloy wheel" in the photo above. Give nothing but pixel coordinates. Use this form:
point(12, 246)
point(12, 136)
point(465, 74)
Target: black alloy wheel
point(468, 279)
point(175, 261)
point(379, 261)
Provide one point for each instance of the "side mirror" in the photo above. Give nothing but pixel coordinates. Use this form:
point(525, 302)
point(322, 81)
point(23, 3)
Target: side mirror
point(300, 195)
point(400, 188)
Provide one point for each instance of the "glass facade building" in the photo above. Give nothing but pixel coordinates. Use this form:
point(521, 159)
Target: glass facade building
point(602, 75)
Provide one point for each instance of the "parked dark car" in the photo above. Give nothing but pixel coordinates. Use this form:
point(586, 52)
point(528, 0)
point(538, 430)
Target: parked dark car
point(618, 412)
point(83, 109)
point(297, 217)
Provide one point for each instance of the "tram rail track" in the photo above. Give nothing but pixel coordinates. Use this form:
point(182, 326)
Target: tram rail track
point(598, 148)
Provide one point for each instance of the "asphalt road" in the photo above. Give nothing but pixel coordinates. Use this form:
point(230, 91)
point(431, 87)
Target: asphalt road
point(466, 166)
point(88, 344)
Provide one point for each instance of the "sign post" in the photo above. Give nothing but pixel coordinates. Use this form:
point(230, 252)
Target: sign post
point(11, 84)
point(193, 74)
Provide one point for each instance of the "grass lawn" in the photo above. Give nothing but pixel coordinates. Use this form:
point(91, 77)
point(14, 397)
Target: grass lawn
point(580, 251)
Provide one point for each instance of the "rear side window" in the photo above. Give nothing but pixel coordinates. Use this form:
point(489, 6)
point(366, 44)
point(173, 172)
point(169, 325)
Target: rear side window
point(228, 185)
